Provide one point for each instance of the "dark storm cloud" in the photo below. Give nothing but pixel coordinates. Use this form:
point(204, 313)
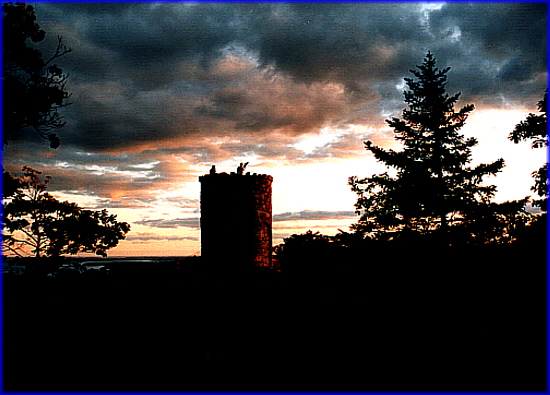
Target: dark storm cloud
point(148, 40)
point(497, 51)
point(95, 9)
point(499, 28)
point(308, 41)
point(148, 46)
point(142, 45)
point(128, 121)
point(171, 81)
point(339, 41)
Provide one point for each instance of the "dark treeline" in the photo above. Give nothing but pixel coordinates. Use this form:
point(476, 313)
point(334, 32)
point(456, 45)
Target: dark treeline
point(393, 319)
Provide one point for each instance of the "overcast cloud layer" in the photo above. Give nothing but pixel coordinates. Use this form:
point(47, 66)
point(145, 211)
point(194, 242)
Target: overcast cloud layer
point(162, 91)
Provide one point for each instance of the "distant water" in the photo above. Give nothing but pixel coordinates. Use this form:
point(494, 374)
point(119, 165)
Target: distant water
point(101, 260)
point(132, 258)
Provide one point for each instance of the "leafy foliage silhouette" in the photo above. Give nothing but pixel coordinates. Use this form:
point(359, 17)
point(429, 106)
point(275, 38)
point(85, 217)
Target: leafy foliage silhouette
point(308, 251)
point(37, 224)
point(535, 129)
point(34, 87)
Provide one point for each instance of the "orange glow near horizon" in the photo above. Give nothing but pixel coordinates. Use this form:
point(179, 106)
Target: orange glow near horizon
point(299, 185)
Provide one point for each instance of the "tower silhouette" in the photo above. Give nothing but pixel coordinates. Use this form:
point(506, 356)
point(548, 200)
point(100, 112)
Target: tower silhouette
point(236, 219)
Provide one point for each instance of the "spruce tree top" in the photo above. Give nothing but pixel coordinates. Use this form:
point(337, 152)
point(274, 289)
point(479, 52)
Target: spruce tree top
point(434, 187)
point(429, 129)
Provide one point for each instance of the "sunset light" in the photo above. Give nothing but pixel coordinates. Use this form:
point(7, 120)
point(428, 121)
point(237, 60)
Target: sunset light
point(141, 132)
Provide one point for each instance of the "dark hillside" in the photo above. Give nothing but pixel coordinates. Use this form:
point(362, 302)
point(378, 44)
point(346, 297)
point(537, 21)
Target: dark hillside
point(474, 321)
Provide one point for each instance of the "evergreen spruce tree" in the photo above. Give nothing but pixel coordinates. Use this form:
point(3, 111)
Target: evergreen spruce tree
point(433, 189)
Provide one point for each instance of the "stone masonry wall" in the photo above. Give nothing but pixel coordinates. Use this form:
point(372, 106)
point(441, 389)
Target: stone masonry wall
point(236, 219)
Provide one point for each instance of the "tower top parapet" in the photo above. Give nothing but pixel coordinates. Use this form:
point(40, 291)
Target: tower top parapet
point(225, 175)
point(239, 173)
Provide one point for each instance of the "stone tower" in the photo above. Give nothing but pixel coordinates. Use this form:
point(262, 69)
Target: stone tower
point(236, 219)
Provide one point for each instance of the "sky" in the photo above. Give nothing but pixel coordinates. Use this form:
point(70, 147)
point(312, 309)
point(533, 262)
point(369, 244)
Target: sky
point(163, 91)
